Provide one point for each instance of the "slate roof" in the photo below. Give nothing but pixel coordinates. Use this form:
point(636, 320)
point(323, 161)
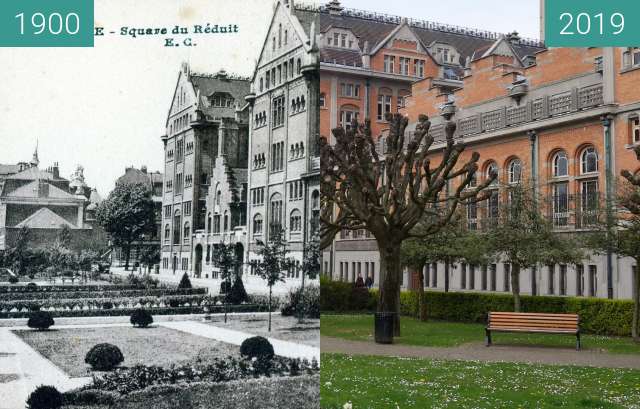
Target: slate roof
point(33, 174)
point(30, 191)
point(207, 85)
point(45, 219)
point(374, 28)
point(307, 15)
point(9, 169)
point(136, 176)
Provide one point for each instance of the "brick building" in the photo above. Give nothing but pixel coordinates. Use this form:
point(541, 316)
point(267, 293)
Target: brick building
point(45, 202)
point(564, 119)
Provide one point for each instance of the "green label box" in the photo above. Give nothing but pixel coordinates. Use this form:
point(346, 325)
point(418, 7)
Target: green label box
point(46, 23)
point(592, 23)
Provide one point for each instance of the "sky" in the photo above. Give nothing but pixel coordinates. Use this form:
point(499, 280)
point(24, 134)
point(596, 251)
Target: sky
point(105, 108)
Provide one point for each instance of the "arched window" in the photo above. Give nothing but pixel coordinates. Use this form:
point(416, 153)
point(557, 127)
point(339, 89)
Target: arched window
point(218, 195)
point(299, 66)
point(295, 221)
point(177, 222)
point(492, 169)
point(167, 234)
point(261, 84)
point(588, 160)
point(275, 220)
point(226, 221)
point(257, 224)
point(209, 220)
point(315, 212)
point(186, 233)
point(560, 164)
point(515, 171)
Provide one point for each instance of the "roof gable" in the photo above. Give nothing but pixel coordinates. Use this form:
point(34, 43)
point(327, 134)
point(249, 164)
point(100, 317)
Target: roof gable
point(31, 191)
point(45, 219)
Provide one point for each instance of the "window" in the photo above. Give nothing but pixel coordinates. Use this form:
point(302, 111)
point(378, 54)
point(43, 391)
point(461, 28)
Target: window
point(315, 211)
point(167, 211)
point(350, 90)
point(167, 234)
point(322, 100)
point(209, 221)
point(418, 68)
point(389, 61)
point(278, 112)
point(434, 275)
point(384, 106)
point(563, 279)
point(472, 216)
point(186, 208)
point(177, 223)
point(493, 269)
point(507, 278)
point(551, 279)
point(515, 171)
point(483, 278)
point(404, 65)
point(179, 183)
point(560, 164)
point(589, 202)
point(492, 206)
point(179, 150)
point(472, 277)
point(463, 276)
point(295, 221)
point(631, 57)
point(257, 224)
point(579, 280)
point(299, 62)
point(275, 219)
point(226, 221)
point(492, 169)
point(186, 234)
point(561, 204)
point(216, 224)
point(593, 280)
point(634, 129)
point(277, 156)
point(588, 161)
point(348, 114)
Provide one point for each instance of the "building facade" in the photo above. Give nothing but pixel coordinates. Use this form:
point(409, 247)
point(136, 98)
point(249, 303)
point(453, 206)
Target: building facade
point(45, 202)
point(284, 162)
point(565, 120)
point(206, 125)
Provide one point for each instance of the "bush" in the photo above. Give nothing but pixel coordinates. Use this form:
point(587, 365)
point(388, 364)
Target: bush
point(184, 282)
point(45, 397)
point(13, 279)
point(40, 320)
point(90, 397)
point(32, 286)
point(141, 318)
point(257, 347)
point(237, 294)
point(597, 315)
point(104, 357)
point(305, 302)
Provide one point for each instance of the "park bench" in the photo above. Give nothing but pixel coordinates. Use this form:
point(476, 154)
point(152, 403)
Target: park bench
point(533, 323)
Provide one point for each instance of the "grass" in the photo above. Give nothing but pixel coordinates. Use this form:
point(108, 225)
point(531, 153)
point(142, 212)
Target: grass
point(381, 383)
point(451, 334)
point(301, 392)
point(159, 346)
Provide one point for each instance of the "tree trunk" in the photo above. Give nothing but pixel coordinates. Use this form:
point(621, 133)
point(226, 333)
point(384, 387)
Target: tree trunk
point(390, 273)
point(127, 256)
point(515, 286)
point(422, 313)
point(635, 330)
point(270, 291)
point(446, 276)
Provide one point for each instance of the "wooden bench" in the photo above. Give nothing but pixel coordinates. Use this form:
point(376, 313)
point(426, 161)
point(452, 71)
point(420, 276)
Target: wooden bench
point(534, 323)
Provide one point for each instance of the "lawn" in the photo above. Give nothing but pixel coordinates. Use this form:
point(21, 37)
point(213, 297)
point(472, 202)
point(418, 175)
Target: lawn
point(282, 328)
point(451, 334)
point(391, 383)
point(159, 346)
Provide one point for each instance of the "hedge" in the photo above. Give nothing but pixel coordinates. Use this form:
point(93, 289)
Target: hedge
point(597, 315)
point(62, 288)
point(32, 295)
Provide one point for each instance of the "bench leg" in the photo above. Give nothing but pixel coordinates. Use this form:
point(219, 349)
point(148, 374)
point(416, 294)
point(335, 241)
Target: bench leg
point(578, 344)
point(487, 337)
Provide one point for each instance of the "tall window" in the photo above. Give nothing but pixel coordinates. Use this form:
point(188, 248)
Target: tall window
point(588, 160)
point(257, 224)
point(419, 68)
point(492, 169)
point(315, 211)
point(551, 279)
point(277, 156)
point(347, 115)
point(323, 98)
point(275, 214)
point(177, 223)
point(483, 278)
point(561, 204)
point(463, 276)
point(493, 270)
point(384, 106)
point(515, 171)
point(295, 221)
point(589, 202)
point(560, 164)
point(472, 216)
point(563, 279)
point(579, 280)
point(507, 277)
point(278, 112)
point(389, 61)
point(593, 280)
point(167, 234)
point(404, 65)
point(634, 129)
point(186, 234)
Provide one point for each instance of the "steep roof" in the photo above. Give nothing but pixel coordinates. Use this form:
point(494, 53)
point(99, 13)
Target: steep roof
point(374, 27)
point(9, 169)
point(206, 85)
point(307, 15)
point(33, 173)
point(134, 176)
point(31, 191)
point(45, 219)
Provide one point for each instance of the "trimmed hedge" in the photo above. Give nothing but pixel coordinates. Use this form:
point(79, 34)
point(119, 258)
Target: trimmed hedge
point(62, 288)
point(68, 295)
point(597, 315)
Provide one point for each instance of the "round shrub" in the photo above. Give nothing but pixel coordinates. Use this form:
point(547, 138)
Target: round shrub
point(40, 320)
point(257, 347)
point(107, 305)
point(45, 397)
point(32, 286)
point(13, 279)
point(104, 357)
point(185, 282)
point(141, 318)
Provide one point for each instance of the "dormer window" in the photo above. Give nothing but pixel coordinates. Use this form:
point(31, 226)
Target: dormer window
point(222, 100)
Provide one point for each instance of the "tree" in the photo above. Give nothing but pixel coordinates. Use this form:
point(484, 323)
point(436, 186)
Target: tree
point(389, 194)
point(149, 256)
point(229, 267)
point(18, 255)
point(126, 215)
point(453, 243)
point(185, 283)
point(524, 238)
point(274, 261)
point(310, 266)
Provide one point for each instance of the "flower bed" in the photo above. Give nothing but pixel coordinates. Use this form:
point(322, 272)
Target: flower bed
point(63, 288)
point(215, 309)
point(155, 292)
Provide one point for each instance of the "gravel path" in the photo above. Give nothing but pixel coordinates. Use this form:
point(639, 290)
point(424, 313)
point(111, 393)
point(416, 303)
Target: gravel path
point(479, 352)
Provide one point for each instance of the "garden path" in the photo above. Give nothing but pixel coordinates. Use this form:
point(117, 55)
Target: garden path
point(22, 369)
point(282, 348)
point(479, 352)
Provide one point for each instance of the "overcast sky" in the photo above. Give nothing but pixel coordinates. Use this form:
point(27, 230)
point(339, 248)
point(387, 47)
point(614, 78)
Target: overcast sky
point(105, 108)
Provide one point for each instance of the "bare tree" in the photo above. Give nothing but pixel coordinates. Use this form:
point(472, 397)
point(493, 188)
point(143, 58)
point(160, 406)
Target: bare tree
point(389, 194)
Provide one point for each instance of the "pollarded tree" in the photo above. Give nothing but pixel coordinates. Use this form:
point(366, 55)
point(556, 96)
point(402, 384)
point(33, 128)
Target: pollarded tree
point(126, 215)
point(388, 194)
point(310, 265)
point(274, 261)
point(524, 238)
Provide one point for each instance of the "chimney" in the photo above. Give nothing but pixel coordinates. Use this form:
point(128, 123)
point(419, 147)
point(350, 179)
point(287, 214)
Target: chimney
point(334, 7)
point(56, 170)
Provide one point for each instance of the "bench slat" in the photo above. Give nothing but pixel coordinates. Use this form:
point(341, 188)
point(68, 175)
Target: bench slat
point(559, 331)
